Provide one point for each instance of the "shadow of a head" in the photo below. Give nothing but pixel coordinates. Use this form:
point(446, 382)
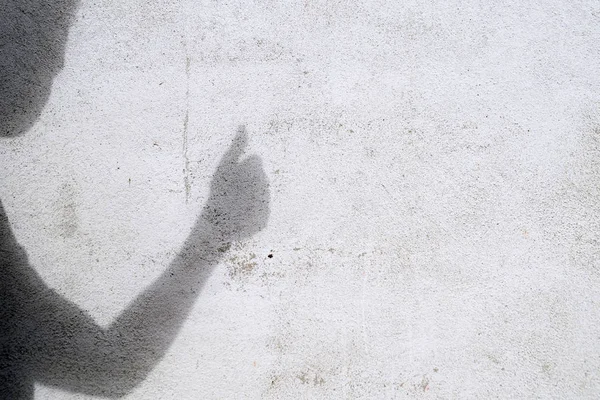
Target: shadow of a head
point(238, 206)
point(33, 35)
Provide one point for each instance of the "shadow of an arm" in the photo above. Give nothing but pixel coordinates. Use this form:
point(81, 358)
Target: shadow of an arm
point(58, 344)
point(70, 351)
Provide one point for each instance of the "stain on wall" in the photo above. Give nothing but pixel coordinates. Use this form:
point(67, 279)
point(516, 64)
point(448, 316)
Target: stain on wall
point(65, 210)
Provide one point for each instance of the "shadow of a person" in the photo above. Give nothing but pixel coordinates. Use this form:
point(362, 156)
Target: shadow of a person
point(46, 338)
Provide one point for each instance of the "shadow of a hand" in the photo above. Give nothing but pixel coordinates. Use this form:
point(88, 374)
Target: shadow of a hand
point(238, 206)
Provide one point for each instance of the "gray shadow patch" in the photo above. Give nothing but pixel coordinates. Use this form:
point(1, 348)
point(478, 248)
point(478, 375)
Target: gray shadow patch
point(33, 36)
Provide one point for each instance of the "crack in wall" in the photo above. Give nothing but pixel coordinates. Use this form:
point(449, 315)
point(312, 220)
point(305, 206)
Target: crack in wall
point(186, 165)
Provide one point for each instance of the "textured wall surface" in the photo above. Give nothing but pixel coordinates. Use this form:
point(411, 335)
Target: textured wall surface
point(434, 180)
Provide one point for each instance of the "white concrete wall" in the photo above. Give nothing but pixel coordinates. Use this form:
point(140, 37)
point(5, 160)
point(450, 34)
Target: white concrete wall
point(434, 175)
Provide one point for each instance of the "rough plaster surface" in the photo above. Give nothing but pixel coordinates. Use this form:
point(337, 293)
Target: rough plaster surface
point(434, 173)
